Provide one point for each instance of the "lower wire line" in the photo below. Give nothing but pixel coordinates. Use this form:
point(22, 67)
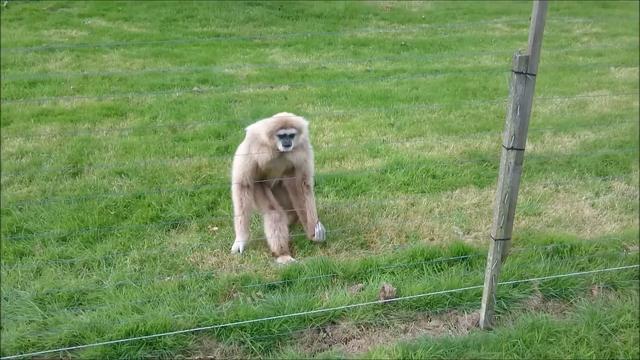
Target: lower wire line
point(317, 311)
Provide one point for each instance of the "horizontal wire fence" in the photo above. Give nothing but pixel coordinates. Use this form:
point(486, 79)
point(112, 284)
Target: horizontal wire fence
point(333, 276)
point(133, 130)
point(361, 323)
point(232, 66)
point(245, 37)
point(194, 124)
point(159, 224)
point(196, 275)
point(238, 88)
point(68, 261)
point(224, 184)
point(432, 312)
point(186, 276)
point(313, 312)
point(285, 86)
point(380, 141)
point(222, 37)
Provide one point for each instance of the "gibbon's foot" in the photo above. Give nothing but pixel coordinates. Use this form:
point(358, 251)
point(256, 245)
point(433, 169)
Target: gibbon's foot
point(238, 247)
point(285, 259)
point(320, 234)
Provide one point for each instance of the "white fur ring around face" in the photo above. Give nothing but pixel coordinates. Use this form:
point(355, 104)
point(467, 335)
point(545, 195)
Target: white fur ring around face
point(320, 234)
point(238, 247)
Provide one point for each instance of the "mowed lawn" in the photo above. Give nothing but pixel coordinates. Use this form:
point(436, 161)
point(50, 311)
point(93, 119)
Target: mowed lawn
point(119, 121)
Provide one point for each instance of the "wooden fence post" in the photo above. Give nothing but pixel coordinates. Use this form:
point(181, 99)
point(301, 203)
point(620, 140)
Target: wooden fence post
point(522, 86)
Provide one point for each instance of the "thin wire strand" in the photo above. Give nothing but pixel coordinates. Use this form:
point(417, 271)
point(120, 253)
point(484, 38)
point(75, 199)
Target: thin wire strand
point(196, 275)
point(406, 264)
point(133, 253)
point(115, 228)
point(229, 89)
point(222, 68)
point(382, 267)
point(311, 312)
point(267, 283)
point(136, 252)
point(220, 38)
point(114, 194)
point(318, 277)
point(224, 183)
point(109, 229)
point(67, 199)
point(227, 67)
point(359, 202)
point(457, 306)
point(286, 86)
point(150, 162)
point(185, 125)
point(365, 322)
point(617, 283)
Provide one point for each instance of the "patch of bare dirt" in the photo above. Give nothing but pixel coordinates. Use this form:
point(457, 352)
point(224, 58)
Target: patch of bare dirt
point(208, 348)
point(600, 290)
point(538, 303)
point(352, 339)
point(548, 306)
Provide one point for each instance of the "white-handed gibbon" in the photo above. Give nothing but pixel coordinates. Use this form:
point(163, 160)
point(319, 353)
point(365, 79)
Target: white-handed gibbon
point(273, 173)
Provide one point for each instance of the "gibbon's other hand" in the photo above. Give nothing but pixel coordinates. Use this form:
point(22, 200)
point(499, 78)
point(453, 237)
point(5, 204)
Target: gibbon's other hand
point(320, 234)
point(237, 247)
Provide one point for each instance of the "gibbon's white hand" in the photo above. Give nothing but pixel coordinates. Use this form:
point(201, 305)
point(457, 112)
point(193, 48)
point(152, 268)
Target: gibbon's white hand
point(238, 247)
point(320, 234)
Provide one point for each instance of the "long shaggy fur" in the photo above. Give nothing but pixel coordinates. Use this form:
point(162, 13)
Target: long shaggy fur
point(276, 183)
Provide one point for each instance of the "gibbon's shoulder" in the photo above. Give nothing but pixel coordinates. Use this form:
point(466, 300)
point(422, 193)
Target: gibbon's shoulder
point(278, 121)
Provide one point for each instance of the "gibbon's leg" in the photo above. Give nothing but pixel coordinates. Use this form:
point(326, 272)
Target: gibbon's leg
point(282, 196)
point(242, 195)
point(275, 223)
point(303, 199)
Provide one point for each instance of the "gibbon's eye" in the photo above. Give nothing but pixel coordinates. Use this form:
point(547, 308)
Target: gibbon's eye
point(285, 136)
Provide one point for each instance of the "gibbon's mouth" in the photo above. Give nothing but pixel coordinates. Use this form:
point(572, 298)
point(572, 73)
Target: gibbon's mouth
point(285, 148)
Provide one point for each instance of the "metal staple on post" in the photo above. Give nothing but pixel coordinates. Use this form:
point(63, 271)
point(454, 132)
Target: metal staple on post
point(522, 86)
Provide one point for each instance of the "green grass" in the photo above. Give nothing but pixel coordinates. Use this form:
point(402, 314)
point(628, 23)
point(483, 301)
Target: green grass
point(119, 120)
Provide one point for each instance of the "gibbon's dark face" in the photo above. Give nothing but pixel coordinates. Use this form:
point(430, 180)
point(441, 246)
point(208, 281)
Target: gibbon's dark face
point(285, 139)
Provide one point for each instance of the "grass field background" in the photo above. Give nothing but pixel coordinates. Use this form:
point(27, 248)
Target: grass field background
point(119, 121)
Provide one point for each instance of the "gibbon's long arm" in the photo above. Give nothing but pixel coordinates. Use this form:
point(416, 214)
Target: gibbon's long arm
point(313, 227)
point(242, 188)
point(242, 214)
point(302, 195)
